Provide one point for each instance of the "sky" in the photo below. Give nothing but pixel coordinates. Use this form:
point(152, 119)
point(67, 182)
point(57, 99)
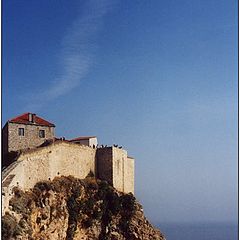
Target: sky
point(156, 77)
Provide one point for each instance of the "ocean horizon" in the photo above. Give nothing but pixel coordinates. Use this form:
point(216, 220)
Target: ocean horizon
point(199, 231)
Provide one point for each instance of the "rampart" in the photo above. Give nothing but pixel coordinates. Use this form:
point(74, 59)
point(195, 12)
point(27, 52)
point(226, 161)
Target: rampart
point(113, 163)
point(63, 158)
point(45, 163)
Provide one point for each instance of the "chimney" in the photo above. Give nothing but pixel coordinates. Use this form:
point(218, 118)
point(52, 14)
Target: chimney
point(34, 118)
point(31, 117)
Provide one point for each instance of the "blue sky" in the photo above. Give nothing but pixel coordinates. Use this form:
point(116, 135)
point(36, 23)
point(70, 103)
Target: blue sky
point(158, 77)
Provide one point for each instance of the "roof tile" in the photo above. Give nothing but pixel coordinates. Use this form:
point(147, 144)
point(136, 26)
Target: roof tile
point(24, 119)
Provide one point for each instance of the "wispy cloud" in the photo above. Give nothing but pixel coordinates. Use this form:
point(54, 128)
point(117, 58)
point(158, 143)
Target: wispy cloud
point(77, 51)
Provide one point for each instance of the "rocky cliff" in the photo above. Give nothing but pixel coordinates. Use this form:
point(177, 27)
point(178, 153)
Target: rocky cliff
point(70, 208)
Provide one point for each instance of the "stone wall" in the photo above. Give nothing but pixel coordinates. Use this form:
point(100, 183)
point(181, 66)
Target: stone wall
point(45, 163)
point(64, 158)
point(129, 175)
point(123, 171)
point(58, 159)
point(10, 179)
point(104, 164)
point(119, 157)
point(114, 166)
point(31, 137)
point(5, 140)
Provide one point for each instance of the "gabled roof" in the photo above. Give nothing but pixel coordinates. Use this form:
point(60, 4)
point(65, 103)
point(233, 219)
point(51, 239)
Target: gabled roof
point(24, 119)
point(82, 138)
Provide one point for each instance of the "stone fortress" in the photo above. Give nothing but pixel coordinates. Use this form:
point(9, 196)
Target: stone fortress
point(31, 153)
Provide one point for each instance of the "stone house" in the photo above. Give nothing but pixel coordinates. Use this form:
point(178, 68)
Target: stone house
point(87, 141)
point(25, 132)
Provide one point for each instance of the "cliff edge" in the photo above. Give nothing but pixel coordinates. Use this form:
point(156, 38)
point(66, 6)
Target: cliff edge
point(70, 208)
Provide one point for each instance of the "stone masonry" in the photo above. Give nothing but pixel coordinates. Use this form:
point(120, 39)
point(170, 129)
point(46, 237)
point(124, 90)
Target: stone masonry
point(31, 138)
point(31, 126)
point(60, 158)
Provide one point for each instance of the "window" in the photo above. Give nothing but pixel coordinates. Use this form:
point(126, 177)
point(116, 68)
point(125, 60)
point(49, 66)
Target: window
point(41, 133)
point(21, 131)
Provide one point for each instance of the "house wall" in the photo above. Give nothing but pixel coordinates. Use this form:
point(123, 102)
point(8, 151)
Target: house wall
point(31, 137)
point(93, 141)
point(87, 142)
point(5, 140)
point(83, 142)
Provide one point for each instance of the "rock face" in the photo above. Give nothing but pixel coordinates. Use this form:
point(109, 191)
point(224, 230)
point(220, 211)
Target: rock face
point(70, 208)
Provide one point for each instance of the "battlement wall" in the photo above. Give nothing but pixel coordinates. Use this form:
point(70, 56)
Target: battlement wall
point(116, 167)
point(58, 159)
point(63, 158)
point(45, 163)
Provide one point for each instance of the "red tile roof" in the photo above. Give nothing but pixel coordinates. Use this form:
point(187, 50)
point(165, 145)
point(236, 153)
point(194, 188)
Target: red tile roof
point(24, 119)
point(81, 138)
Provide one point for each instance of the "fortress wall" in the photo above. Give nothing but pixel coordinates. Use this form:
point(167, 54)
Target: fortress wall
point(31, 137)
point(36, 167)
point(72, 159)
point(119, 158)
point(62, 158)
point(14, 178)
point(104, 164)
point(55, 160)
point(46, 163)
point(129, 175)
point(114, 166)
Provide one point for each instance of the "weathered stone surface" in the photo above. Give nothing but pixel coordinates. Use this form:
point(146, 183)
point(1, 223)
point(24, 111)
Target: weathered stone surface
point(116, 167)
point(31, 137)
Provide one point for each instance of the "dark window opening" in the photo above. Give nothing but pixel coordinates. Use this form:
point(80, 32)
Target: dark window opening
point(21, 131)
point(41, 133)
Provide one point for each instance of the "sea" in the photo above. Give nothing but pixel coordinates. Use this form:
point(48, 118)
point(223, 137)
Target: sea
point(199, 231)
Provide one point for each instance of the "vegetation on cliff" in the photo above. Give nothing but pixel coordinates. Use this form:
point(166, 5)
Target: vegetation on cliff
point(70, 208)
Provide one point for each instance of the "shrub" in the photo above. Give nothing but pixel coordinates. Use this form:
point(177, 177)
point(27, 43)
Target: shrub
point(113, 202)
point(90, 174)
point(103, 190)
point(97, 214)
point(73, 208)
point(9, 225)
point(91, 184)
point(87, 222)
point(21, 201)
point(89, 204)
point(44, 185)
point(128, 202)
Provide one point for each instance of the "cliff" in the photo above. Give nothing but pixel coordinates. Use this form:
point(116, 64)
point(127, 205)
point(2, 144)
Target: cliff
point(70, 208)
